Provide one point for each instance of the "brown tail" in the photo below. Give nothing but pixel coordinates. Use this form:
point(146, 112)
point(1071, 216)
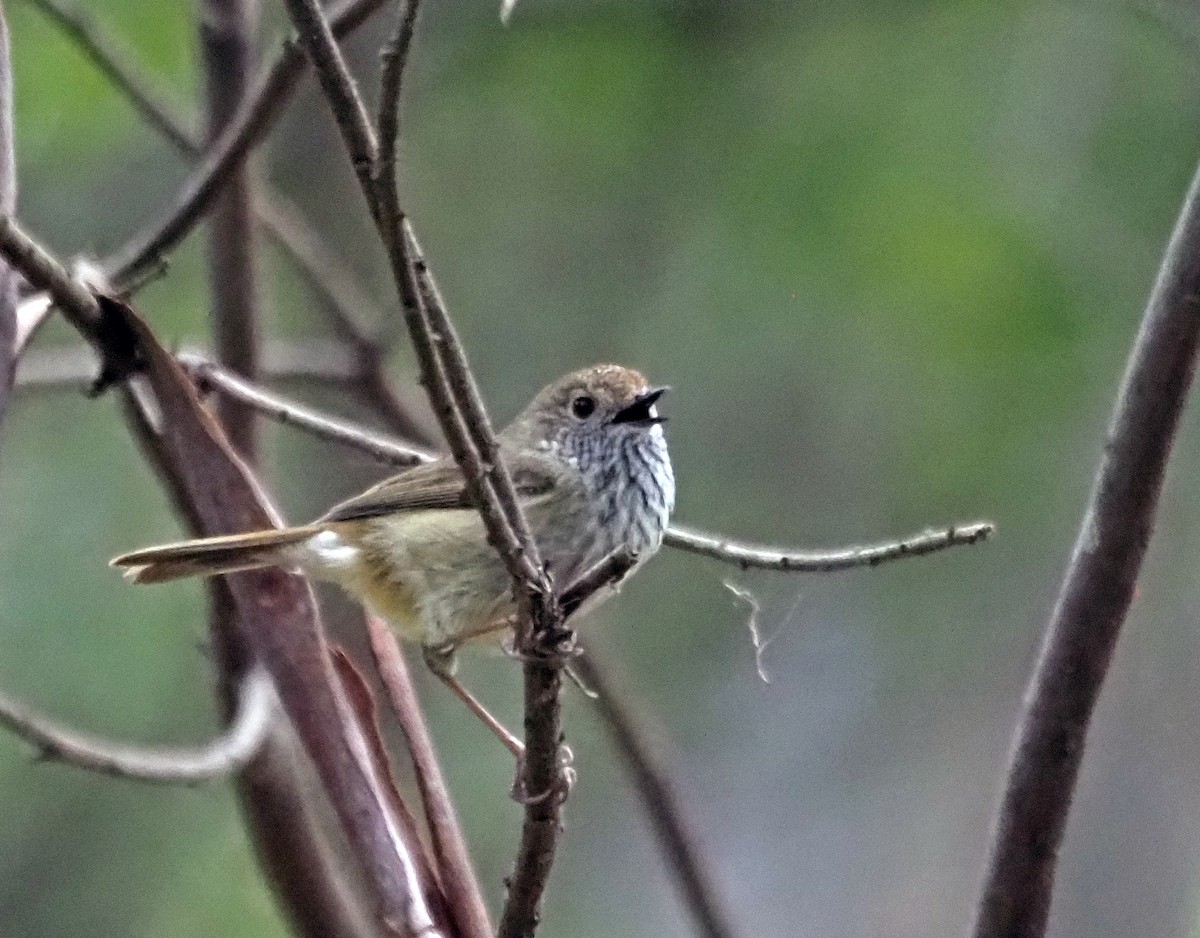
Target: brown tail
point(211, 555)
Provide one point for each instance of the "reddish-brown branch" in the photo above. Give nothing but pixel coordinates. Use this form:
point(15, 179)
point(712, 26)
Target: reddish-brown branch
point(1096, 592)
point(459, 882)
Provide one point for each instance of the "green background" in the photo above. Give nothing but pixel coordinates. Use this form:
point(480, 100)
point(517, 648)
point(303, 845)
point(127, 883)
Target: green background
point(890, 255)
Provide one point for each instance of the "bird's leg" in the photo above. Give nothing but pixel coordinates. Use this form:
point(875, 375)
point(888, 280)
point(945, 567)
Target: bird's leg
point(440, 660)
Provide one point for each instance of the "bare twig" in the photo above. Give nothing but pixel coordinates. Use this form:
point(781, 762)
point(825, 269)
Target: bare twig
point(226, 754)
point(792, 560)
point(644, 763)
point(606, 574)
point(44, 272)
point(316, 35)
point(459, 881)
point(394, 58)
point(245, 130)
point(1096, 592)
point(209, 374)
point(227, 44)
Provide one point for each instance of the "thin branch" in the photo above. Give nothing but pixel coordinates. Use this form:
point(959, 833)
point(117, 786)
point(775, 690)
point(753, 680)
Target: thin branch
point(394, 58)
point(644, 763)
point(246, 130)
point(74, 366)
point(316, 35)
point(227, 46)
point(209, 374)
point(1096, 592)
point(605, 574)
point(459, 881)
point(44, 272)
point(457, 401)
point(225, 755)
point(792, 560)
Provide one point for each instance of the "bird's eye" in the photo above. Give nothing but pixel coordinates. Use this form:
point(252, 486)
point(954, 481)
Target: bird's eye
point(583, 406)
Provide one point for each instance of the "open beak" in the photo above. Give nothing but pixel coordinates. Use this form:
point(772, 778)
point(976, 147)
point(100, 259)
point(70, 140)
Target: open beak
point(642, 410)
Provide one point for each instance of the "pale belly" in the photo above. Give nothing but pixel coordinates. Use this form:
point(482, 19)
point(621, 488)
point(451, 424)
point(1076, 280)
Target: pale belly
point(432, 576)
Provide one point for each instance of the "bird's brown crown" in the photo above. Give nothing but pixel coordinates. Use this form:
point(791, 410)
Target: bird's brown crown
point(613, 386)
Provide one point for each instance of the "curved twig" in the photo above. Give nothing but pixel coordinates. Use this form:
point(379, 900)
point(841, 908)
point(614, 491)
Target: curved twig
point(791, 560)
point(226, 754)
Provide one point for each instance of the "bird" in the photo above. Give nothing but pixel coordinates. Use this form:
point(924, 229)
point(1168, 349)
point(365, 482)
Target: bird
point(589, 462)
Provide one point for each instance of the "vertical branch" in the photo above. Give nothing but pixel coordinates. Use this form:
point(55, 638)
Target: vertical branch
point(8, 205)
point(227, 29)
point(1096, 592)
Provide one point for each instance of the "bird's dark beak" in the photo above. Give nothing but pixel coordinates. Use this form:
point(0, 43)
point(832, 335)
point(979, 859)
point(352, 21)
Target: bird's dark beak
point(639, 411)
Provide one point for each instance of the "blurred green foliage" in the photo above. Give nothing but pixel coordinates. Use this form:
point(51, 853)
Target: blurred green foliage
point(890, 255)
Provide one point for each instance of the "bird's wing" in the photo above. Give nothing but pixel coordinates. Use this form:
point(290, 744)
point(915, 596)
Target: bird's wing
point(440, 485)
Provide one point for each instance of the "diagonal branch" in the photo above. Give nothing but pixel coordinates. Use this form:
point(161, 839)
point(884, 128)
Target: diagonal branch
point(459, 882)
point(228, 753)
point(354, 314)
point(1095, 596)
point(644, 764)
point(447, 379)
point(245, 130)
point(210, 375)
